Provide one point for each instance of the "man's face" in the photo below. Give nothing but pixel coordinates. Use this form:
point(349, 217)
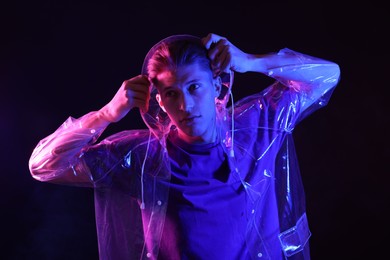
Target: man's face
point(188, 97)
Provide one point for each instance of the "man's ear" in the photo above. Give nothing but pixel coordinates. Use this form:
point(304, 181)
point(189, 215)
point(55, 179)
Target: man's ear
point(158, 98)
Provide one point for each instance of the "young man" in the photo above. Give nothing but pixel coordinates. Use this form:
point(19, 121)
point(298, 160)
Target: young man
point(203, 181)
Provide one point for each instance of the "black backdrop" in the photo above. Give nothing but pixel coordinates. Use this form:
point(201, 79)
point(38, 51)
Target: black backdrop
point(66, 58)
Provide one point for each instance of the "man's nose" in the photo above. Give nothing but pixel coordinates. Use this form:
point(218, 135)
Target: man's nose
point(187, 103)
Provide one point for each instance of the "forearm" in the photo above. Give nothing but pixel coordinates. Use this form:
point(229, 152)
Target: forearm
point(301, 71)
point(54, 157)
point(311, 76)
point(291, 65)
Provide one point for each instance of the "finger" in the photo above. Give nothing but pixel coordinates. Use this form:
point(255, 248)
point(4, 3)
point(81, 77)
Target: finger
point(211, 40)
point(221, 58)
point(137, 85)
point(225, 60)
point(140, 79)
point(138, 99)
point(207, 41)
point(214, 52)
point(138, 88)
point(136, 95)
point(143, 106)
point(218, 48)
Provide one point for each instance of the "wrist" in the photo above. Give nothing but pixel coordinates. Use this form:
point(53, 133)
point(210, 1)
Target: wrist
point(103, 116)
point(256, 63)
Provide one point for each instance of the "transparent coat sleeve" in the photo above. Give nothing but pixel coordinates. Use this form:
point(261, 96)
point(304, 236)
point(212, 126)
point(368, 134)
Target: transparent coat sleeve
point(55, 157)
point(312, 78)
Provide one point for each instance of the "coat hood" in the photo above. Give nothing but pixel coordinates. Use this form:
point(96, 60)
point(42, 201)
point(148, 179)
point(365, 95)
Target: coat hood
point(155, 118)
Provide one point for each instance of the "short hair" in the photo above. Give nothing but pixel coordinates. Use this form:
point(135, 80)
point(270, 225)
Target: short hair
point(175, 53)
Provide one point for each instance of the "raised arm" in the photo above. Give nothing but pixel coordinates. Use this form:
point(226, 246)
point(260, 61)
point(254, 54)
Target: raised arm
point(310, 75)
point(55, 156)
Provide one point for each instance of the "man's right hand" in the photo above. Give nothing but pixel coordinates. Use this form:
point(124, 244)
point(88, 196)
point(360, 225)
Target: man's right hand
point(133, 92)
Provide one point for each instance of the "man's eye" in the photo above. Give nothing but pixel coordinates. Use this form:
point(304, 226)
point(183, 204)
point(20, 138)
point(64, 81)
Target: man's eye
point(170, 94)
point(193, 87)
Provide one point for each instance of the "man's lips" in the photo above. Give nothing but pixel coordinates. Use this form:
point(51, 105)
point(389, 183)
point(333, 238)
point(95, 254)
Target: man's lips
point(188, 119)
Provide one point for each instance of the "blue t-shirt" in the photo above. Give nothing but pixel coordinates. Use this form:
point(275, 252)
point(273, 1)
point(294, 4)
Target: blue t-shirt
point(207, 215)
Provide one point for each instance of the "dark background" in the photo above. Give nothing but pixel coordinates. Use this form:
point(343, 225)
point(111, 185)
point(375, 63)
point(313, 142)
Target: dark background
point(66, 58)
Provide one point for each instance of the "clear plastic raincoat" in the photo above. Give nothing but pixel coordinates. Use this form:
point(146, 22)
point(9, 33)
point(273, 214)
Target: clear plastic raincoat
point(127, 169)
